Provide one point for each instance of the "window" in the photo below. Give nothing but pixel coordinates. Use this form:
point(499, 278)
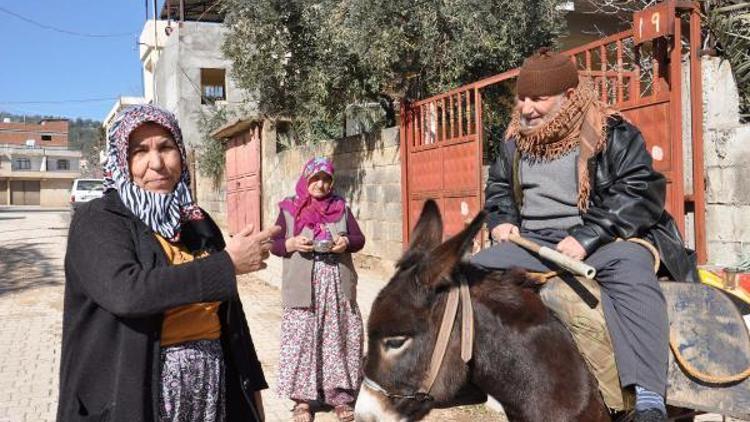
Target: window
point(46, 137)
point(213, 86)
point(22, 164)
point(63, 165)
point(90, 185)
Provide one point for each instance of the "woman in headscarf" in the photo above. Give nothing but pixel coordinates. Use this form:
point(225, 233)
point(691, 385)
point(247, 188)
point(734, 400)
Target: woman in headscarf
point(321, 328)
point(153, 328)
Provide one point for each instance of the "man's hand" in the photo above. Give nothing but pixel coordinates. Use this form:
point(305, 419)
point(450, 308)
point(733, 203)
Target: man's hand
point(341, 244)
point(299, 244)
point(249, 251)
point(501, 232)
point(570, 247)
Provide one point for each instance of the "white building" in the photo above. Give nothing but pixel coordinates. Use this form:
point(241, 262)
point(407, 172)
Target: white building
point(185, 71)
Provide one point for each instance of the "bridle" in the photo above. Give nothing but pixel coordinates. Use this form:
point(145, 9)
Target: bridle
point(455, 294)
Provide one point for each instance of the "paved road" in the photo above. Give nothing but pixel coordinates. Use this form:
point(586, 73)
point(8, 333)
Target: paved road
point(32, 247)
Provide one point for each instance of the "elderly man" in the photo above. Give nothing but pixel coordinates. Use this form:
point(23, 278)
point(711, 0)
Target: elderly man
point(576, 176)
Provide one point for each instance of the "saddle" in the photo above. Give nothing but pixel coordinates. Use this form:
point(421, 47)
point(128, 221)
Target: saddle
point(710, 361)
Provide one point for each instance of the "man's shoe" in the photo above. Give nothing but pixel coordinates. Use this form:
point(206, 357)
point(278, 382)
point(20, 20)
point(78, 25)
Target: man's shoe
point(650, 415)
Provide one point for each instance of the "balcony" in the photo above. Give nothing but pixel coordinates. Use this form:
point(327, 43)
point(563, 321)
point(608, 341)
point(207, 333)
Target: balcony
point(18, 161)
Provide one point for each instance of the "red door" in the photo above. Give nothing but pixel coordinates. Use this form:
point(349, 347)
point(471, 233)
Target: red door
point(243, 179)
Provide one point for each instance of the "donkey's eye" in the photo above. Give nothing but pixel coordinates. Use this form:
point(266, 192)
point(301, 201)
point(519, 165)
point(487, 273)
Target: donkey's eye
point(395, 342)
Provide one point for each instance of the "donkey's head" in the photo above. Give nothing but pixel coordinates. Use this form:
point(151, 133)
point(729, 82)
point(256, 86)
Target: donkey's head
point(404, 323)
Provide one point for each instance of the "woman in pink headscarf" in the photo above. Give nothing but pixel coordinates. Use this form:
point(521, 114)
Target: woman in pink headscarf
point(321, 328)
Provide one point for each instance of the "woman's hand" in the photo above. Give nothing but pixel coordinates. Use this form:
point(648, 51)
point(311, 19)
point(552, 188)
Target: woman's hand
point(249, 251)
point(299, 243)
point(341, 244)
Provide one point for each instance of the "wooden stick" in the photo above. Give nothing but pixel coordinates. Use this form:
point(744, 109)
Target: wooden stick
point(567, 263)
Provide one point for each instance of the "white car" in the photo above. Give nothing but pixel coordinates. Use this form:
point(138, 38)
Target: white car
point(85, 190)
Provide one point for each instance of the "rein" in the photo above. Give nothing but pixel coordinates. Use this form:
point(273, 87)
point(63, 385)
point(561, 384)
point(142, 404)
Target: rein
point(455, 294)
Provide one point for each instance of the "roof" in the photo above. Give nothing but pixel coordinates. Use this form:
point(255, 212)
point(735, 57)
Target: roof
point(194, 10)
point(234, 127)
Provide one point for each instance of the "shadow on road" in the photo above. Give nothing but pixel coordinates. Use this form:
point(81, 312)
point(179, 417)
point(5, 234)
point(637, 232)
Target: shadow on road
point(25, 266)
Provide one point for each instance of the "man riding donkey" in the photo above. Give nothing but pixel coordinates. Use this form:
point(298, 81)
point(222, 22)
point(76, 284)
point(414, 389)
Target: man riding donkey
point(576, 176)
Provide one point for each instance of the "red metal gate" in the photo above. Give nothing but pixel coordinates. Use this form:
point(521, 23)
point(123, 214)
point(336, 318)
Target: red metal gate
point(639, 71)
point(243, 172)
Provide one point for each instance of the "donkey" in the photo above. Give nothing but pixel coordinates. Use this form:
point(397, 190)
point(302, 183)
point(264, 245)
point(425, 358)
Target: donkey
point(522, 355)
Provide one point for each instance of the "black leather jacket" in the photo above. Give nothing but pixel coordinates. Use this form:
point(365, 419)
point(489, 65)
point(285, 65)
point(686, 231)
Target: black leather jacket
point(627, 200)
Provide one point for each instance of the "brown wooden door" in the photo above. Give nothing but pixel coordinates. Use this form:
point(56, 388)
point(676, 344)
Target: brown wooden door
point(24, 192)
point(4, 192)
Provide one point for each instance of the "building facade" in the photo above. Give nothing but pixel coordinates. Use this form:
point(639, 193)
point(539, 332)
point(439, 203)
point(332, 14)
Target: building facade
point(185, 71)
point(36, 166)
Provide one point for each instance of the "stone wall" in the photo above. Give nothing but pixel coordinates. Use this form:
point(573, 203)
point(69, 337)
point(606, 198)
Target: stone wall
point(212, 197)
point(368, 175)
point(727, 166)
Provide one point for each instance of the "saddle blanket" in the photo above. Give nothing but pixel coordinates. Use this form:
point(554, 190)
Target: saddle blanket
point(707, 332)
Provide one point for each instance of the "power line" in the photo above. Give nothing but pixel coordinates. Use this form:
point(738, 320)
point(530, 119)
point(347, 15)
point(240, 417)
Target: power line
point(64, 31)
point(79, 100)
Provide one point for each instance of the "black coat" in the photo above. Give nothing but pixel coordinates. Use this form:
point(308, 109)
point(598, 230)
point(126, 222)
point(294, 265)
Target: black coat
point(118, 284)
point(627, 199)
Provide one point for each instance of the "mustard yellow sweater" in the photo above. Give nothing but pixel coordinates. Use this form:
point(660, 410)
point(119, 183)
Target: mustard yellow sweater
point(196, 321)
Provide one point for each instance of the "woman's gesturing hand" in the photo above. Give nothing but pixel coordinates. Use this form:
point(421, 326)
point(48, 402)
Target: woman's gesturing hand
point(249, 251)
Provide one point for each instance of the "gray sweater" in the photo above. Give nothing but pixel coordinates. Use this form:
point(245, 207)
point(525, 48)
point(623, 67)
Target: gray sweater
point(550, 192)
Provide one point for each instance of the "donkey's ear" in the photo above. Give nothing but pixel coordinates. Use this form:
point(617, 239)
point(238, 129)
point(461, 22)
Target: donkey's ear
point(428, 233)
point(447, 255)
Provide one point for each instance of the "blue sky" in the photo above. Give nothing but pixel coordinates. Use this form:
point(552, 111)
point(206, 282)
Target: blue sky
point(41, 65)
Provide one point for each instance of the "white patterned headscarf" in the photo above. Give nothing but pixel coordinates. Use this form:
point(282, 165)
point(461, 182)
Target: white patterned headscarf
point(163, 213)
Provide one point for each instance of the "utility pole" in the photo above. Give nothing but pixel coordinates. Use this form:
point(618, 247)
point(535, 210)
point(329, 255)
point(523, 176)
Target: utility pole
point(156, 53)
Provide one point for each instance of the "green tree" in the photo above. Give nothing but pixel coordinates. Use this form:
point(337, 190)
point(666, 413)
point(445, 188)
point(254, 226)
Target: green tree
point(308, 60)
point(726, 31)
point(211, 152)
point(728, 21)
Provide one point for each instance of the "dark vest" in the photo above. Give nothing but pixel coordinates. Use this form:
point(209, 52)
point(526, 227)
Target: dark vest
point(297, 270)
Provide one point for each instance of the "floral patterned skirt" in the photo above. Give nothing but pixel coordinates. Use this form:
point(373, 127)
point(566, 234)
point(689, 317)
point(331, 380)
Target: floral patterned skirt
point(321, 346)
point(192, 382)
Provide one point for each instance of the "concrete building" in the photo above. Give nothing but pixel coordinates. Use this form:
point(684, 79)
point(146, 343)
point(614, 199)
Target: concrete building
point(121, 103)
point(47, 133)
point(36, 166)
point(185, 71)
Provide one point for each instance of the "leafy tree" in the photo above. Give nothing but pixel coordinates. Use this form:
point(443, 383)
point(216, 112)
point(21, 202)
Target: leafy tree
point(726, 30)
point(308, 59)
point(210, 152)
point(729, 23)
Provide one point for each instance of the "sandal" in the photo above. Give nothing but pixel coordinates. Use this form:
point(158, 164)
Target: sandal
point(344, 413)
point(301, 412)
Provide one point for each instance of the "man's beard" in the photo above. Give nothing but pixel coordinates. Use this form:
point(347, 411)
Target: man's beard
point(528, 128)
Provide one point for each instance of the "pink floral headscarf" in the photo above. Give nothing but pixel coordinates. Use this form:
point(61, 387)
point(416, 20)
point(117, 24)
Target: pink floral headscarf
point(311, 212)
